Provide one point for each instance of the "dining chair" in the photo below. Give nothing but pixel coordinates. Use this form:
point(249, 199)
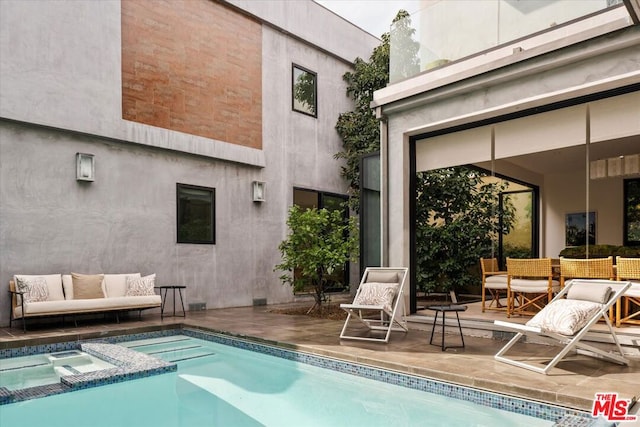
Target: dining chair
point(530, 283)
point(591, 268)
point(495, 282)
point(628, 306)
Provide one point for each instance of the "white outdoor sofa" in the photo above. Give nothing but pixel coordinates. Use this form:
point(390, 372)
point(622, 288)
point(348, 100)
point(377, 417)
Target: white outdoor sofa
point(70, 294)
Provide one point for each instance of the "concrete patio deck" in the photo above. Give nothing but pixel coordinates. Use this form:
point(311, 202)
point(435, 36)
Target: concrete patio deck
point(573, 383)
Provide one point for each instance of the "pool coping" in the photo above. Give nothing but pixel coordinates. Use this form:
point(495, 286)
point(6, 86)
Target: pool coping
point(102, 345)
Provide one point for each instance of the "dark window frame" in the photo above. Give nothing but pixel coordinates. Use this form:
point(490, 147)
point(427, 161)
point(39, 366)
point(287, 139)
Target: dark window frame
point(179, 207)
point(315, 90)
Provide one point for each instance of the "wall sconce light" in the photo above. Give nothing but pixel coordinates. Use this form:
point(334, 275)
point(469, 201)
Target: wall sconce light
point(85, 167)
point(258, 189)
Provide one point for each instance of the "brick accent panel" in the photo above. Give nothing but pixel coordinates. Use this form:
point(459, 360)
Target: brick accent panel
point(193, 66)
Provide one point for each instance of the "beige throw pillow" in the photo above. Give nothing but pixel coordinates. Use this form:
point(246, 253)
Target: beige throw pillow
point(87, 286)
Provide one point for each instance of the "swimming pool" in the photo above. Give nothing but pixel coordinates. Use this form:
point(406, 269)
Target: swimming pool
point(43, 369)
point(225, 381)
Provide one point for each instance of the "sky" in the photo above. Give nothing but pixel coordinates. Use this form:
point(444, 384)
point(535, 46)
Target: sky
point(374, 16)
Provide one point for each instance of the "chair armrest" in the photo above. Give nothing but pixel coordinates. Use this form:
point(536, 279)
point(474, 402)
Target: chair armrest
point(16, 292)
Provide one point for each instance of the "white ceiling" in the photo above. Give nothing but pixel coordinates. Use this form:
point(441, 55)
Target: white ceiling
point(574, 158)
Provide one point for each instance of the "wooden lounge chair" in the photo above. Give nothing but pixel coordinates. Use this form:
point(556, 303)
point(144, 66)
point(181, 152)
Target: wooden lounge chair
point(568, 320)
point(379, 305)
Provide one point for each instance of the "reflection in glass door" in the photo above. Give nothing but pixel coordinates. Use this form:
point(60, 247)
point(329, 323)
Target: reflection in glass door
point(519, 241)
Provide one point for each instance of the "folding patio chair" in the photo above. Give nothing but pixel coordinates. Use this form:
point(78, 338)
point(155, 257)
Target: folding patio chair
point(568, 320)
point(378, 304)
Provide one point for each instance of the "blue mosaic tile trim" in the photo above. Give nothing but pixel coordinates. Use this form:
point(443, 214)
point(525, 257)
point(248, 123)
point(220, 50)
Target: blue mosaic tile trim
point(37, 392)
point(6, 396)
point(576, 421)
point(129, 365)
point(38, 349)
point(484, 398)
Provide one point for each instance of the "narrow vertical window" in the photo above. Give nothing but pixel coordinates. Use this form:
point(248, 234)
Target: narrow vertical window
point(304, 91)
point(196, 214)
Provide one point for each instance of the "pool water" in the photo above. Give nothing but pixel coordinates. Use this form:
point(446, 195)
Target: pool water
point(220, 385)
point(42, 369)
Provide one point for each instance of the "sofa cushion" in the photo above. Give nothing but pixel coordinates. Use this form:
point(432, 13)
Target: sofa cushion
point(87, 286)
point(34, 288)
point(534, 285)
point(140, 286)
point(54, 284)
point(378, 294)
point(89, 305)
point(115, 285)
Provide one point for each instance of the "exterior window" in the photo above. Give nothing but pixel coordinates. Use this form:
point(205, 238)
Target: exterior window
point(304, 91)
point(632, 212)
point(196, 214)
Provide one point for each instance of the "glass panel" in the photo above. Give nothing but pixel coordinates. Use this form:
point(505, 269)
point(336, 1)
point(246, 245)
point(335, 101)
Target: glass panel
point(456, 221)
point(305, 198)
point(436, 35)
point(517, 240)
point(304, 91)
point(370, 220)
point(195, 214)
point(333, 202)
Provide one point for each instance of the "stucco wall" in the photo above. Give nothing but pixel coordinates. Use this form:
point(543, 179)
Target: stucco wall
point(125, 221)
point(60, 94)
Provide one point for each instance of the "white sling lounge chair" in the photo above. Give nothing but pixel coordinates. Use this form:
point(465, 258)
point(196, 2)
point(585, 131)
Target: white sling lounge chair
point(568, 320)
point(378, 304)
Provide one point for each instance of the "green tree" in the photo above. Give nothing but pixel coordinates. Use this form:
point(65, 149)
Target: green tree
point(304, 91)
point(320, 242)
point(457, 213)
point(403, 61)
point(359, 129)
